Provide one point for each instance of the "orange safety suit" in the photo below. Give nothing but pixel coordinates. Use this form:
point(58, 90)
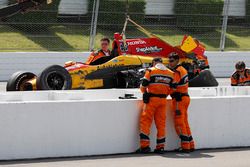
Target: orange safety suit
point(238, 80)
point(156, 82)
point(97, 55)
point(181, 101)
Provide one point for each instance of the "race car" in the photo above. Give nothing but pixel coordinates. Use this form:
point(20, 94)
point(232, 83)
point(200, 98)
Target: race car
point(123, 69)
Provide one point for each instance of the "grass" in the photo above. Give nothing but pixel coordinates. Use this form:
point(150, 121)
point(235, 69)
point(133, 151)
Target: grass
point(76, 38)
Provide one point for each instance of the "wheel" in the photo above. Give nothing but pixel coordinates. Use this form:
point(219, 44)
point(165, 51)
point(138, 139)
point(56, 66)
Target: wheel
point(128, 79)
point(121, 80)
point(18, 81)
point(54, 77)
point(204, 79)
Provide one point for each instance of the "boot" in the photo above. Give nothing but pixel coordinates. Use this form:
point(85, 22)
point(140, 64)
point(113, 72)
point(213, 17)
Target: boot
point(159, 150)
point(144, 150)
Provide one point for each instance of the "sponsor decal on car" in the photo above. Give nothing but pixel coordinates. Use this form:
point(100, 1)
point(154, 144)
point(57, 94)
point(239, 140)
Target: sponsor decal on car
point(150, 49)
point(123, 48)
point(115, 61)
point(141, 42)
point(109, 66)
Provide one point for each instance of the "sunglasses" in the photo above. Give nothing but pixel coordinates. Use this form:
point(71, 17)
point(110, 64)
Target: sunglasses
point(240, 71)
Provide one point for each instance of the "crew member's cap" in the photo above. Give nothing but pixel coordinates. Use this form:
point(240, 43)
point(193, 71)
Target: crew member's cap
point(157, 59)
point(173, 55)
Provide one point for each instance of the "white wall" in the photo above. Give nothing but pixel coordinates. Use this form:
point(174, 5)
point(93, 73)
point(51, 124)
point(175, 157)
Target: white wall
point(159, 7)
point(221, 63)
point(94, 127)
point(34, 61)
point(3, 3)
point(166, 7)
point(112, 94)
point(237, 8)
point(73, 7)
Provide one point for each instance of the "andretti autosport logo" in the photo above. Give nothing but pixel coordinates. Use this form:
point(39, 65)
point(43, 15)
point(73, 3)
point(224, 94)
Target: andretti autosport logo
point(147, 50)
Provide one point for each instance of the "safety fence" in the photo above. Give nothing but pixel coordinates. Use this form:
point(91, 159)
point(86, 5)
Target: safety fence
point(78, 25)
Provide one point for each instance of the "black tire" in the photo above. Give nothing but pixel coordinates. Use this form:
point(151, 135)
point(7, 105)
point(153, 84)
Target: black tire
point(128, 79)
point(120, 80)
point(54, 77)
point(204, 79)
point(17, 81)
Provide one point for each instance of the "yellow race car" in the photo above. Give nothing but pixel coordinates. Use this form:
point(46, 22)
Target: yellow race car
point(116, 71)
point(123, 69)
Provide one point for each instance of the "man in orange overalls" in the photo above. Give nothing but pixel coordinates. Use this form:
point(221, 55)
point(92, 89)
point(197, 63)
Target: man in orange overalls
point(241, 76)
point(104, 51)
point(181, 101)
point(155, 88)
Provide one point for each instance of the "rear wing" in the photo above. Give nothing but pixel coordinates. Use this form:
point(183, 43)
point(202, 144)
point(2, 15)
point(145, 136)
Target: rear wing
point(192, 45)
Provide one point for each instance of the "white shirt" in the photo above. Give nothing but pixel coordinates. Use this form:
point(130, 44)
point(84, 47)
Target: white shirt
point(106, 53)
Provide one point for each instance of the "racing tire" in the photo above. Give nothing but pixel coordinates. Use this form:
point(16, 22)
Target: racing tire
point(204, 79)
point(17, 81)
point(127, 79)
point(54, 77)
point(120, 81)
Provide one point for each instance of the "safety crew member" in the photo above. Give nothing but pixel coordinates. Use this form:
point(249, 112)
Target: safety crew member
point(241, 76)
point(180, 102)
point(104, 51)
point(155, 88)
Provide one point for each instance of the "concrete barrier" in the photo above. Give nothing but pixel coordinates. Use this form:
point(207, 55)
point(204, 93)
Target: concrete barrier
point(222, 63)
point(35, 61)
point(80, 123)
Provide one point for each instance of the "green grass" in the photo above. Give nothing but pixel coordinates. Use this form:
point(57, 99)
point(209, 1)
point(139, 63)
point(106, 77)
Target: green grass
point(76, 38)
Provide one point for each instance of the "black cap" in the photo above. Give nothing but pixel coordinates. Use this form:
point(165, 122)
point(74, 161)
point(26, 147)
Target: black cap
point(174, 56)
point(158, 60)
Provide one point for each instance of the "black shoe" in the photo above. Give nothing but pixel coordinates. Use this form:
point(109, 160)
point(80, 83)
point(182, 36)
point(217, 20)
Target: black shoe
point(159, 151)
point(192, 149)
point(181, 150)
point(145, 150)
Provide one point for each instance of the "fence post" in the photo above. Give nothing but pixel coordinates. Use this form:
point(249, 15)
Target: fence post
point(94, 20)
point(224, 25)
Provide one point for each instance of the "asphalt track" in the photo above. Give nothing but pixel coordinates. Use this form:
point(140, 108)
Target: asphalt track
point(222, 82)
point(201, 158)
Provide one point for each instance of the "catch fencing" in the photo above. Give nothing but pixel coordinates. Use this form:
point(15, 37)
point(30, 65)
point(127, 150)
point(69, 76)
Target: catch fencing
point(78, 25)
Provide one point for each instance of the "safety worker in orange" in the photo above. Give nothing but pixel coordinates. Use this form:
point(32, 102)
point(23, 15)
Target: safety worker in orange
point(155, 88)
point(180, 102)
point(241, 76)
point(104, 51)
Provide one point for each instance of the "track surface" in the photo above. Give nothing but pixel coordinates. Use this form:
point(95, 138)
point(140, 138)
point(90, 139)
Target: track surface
point(222, 82)
point(202, 158)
